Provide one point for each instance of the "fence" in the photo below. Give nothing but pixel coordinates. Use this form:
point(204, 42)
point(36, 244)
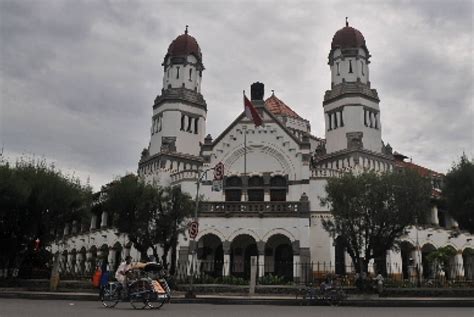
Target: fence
point(396, 275)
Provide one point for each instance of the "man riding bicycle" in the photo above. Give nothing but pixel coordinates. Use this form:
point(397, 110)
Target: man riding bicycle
point(121, 274)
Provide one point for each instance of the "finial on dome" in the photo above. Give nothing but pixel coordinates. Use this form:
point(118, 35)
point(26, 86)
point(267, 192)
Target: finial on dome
point(273, 92)
point(186, 31)
point(347, 22)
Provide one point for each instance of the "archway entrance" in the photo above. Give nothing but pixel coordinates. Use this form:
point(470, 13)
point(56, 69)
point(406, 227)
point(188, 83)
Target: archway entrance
point(117, 257)
point(429, 269)
point(242, 248)
point(406, 250)
point(468, 262)
point(211, 255)
point(279, 257)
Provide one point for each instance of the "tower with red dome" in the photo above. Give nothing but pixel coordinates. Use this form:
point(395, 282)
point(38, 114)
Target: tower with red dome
point(351, 107)
point(179, 112)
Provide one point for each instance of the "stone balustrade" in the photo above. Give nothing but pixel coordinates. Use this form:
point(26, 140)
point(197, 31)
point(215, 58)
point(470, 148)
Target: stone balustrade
point(268, 208)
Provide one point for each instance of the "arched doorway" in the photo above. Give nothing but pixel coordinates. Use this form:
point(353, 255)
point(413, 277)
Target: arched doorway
point(82, 260)
point(406, 250)
point(429, 268)
point(211, 255)
point(279, 257)
point(93, 259)
point(242, 247)
point(117, 257)
point(468, 262)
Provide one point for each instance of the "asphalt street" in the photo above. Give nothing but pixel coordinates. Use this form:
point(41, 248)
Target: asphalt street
point(38, 308)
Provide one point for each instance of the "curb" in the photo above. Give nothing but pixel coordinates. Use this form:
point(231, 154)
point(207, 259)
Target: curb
point(394, 302)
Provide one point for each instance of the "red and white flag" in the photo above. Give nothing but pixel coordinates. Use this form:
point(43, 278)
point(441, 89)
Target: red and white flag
point(251, 112)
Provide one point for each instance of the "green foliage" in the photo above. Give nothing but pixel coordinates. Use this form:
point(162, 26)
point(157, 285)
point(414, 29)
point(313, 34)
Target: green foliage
point(370, 212)
point(36, 200)
point(459, 193)
point(148, 214)
point(234, 280)
point(271, 279)
point(441, 257)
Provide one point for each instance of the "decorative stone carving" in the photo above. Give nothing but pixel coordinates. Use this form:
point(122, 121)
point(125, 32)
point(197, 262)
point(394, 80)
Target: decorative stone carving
point(387, 149)
point(168, 144)
point(145, 154)
point(208, 139)
point(257, 91)
point(320, 149)
point(354, 140)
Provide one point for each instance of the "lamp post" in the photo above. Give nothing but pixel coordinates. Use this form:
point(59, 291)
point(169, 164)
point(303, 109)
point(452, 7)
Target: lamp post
point(190, 293)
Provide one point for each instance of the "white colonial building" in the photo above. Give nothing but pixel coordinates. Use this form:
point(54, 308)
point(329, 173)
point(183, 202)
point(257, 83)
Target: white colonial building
point(275, 174)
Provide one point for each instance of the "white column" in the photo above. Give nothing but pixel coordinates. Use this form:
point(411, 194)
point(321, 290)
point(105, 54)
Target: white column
point(226, 266)
point(296, 267)
point(111, 259)
point(458, 265)
point(417, 267)
point(103, 223)
point(434, 216)
point(93, 222)
point(261, 265)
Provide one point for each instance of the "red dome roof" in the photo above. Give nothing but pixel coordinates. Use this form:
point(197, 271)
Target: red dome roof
point(185, 45)
point(348, 37)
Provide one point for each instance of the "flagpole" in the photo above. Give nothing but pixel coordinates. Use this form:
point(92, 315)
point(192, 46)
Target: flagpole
point(244, 129)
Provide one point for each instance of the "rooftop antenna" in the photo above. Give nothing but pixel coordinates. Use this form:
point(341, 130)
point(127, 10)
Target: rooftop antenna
point(186, 31)
point(347, 22)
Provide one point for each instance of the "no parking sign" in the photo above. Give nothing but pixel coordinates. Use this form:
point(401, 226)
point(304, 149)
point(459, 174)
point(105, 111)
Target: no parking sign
point(193, 229)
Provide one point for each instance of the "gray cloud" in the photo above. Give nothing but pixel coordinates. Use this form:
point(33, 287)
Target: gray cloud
point(78, 78)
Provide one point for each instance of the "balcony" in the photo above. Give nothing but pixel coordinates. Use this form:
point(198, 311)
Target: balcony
point(254, 209)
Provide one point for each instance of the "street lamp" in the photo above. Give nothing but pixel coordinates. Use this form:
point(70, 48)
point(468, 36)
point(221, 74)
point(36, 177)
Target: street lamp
point(190, 293)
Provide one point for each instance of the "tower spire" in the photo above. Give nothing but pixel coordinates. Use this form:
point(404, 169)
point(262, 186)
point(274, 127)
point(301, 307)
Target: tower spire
point(186, 30)
point(347, 22)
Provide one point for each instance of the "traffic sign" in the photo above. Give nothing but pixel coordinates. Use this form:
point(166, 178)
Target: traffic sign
point(193, 229)
point(219, 171)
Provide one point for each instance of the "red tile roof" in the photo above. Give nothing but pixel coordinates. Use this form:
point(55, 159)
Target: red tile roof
point(422, 171)
point(279, 108)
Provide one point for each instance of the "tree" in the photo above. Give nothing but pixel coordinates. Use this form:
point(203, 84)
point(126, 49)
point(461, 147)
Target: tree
point(458, 193)
point(150, 215)
point(36, 200)
point(134, 208)
point(175, 208)
point(370, 212)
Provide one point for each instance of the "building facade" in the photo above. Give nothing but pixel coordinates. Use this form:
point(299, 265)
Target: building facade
point(268, 204)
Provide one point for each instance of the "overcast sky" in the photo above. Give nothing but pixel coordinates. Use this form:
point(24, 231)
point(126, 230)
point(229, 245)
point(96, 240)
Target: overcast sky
point(78, 78)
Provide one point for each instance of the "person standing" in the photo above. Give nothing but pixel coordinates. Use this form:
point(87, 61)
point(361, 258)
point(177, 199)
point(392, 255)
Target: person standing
point(120, 275)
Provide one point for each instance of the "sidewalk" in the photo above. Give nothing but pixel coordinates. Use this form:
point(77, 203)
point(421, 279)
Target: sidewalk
point(245, 299)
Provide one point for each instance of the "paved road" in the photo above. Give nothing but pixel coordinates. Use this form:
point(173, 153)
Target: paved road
point(38, 308)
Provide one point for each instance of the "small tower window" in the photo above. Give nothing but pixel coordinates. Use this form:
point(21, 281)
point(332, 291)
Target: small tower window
point(196, 125)
point(190, 73)
point(335, 120)
point(337, 67)
point(350, 66)
point(190, 121)
point(177, 72)
point(375, 121)
point(365, 117)
point(330, 121)
point(183, 121)
point(168, 73)
point(160, 122)
point(341, 119)
point(362, 67)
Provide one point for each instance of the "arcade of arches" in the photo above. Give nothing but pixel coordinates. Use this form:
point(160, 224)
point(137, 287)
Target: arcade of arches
point(85, 262)
point(275, 256)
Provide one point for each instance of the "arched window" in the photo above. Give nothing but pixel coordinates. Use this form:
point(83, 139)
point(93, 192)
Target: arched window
point(190, 73)
point(255, 190)
point(177, 72)
point(362, 67)
point(337, 67)
point(196, 125)
point(278, 188)
point(183, 121)
point(350, 67)
point(233, 188)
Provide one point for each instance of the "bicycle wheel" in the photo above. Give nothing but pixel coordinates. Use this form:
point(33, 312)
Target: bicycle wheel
point(334, 298)
point(110, 295)
point(139, 294)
